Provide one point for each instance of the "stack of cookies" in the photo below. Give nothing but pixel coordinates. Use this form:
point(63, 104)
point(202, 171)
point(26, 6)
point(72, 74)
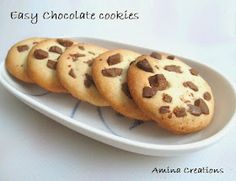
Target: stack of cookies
point(156, 87)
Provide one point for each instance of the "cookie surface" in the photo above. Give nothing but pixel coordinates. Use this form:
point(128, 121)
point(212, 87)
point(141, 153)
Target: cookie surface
point(109, 72)
point(171, 93)
point(16, 59)
point(74, 72)
point(42, 63)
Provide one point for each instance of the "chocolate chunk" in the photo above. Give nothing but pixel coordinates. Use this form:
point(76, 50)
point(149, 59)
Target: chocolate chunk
point(112, 72)
point(88, 80)
point(179, 112)
point(156, 55)
point(72, 73)
point(65, 43)
point(114, 59)
point(75, 56)
point(190, 85)
point(203, 106)
point(22, 48)
point(52, 64)
point(149, 92)
point(125, 89)
point(89, 77)
point(40, 54)
point(164, 109)
point(89, 62)
point(171, 57)
point(173, 68)
point(158, 81)
point(144, 65)
point(55, 49)
point(194, 110)
point(167, 98)
point(193, 71)
point(207, 96)
point(92, 53)
point(81, 47)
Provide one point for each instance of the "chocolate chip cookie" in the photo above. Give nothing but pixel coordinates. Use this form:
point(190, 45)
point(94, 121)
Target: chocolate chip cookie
point(74, 72)
point(109, 72)
point(16, 59)
point(171, 93)
point(42, 63)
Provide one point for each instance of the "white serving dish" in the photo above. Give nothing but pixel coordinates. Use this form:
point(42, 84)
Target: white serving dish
point(104, 125)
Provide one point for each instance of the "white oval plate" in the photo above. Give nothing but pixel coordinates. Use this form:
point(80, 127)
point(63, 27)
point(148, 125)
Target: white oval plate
point(105, 125)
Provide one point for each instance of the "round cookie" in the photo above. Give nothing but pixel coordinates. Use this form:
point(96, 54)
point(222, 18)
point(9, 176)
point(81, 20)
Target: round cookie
point(109, 72)
point(16, 59)
point(74, 72)
point(171, 93)
point(42, 62)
